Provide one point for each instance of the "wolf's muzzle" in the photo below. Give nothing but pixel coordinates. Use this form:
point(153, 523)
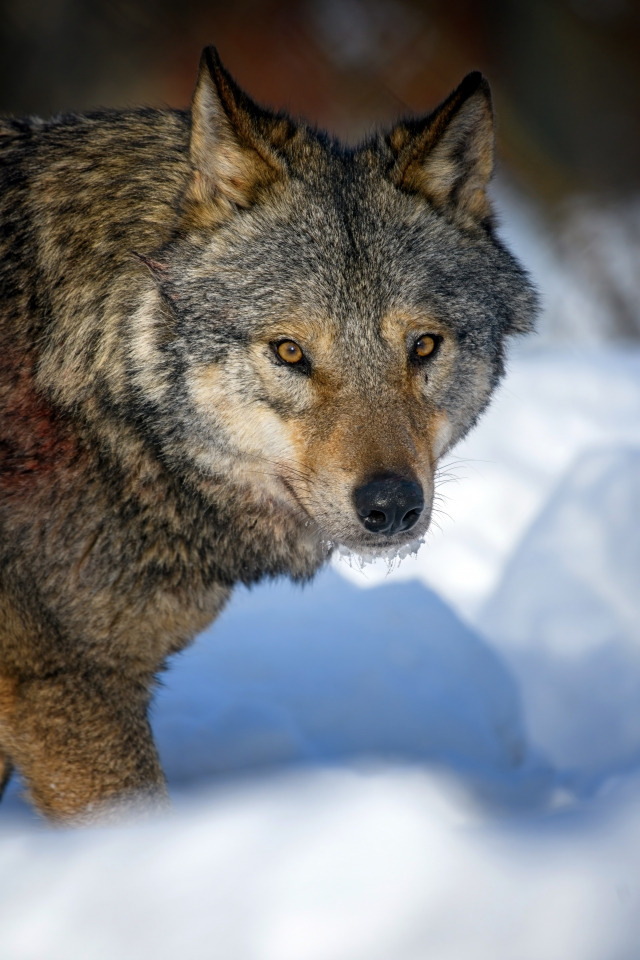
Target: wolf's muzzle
point(389, 504)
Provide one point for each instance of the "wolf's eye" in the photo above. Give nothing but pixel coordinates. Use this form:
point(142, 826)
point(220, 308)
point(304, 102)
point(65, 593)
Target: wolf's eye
point(425, 345)
point(289, 351)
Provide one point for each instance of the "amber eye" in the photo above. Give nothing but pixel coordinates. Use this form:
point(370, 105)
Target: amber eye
point(425, 345)
point(289, 351)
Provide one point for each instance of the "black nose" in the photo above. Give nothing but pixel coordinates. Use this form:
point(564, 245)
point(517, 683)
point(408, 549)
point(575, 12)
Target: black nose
point(389, 504)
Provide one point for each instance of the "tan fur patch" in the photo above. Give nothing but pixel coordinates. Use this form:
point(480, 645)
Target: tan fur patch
point(149, 327)
point(255, 429)
point(441, 433)
point(397, 325)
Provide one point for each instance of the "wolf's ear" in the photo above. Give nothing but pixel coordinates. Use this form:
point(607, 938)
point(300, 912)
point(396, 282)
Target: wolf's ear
point(448, 156)
point(234, 143)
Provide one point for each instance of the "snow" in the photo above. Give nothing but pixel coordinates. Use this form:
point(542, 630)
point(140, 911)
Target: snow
point(332, 672)
point(441, 759)
point(334, 865)
point(579, 675)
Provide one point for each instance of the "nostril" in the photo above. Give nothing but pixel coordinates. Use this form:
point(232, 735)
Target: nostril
point(410, 518)
point(375, 520)
point(389, 504)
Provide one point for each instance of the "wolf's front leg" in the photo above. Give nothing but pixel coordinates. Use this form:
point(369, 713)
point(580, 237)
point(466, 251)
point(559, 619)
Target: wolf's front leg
point(83, 744)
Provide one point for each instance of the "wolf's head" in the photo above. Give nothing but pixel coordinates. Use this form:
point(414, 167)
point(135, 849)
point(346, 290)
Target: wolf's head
point(334, 318)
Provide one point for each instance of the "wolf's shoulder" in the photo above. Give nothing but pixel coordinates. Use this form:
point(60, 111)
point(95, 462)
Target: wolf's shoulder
point(132, 127)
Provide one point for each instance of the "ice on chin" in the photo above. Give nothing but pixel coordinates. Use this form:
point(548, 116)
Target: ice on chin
point(391, 556)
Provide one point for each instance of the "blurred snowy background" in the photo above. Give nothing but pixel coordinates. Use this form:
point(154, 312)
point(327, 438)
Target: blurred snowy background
point(441, 759)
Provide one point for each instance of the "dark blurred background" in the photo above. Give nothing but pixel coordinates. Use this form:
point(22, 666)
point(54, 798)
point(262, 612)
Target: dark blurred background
point(565, 76)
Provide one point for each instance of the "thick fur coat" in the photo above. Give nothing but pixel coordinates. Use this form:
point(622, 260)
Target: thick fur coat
point(227, 345)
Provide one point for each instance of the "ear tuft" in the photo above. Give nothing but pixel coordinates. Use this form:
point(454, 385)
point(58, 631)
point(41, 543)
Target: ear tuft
point(232, 157)
point(448, 156)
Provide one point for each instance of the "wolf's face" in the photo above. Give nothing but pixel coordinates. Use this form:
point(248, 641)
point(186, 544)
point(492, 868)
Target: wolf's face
point(337, 317)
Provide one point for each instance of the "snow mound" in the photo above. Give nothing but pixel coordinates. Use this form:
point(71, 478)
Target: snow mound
point(340, 865)
point(566, 616)
point(331, 673)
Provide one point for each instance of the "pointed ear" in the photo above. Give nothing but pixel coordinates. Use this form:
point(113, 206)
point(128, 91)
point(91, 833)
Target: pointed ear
point(448, 156)
point(233, 145)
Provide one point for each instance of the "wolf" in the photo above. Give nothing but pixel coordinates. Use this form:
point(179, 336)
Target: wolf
point(228, 345)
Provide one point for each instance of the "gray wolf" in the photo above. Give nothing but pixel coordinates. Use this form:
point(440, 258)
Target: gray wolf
point(228, 344)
